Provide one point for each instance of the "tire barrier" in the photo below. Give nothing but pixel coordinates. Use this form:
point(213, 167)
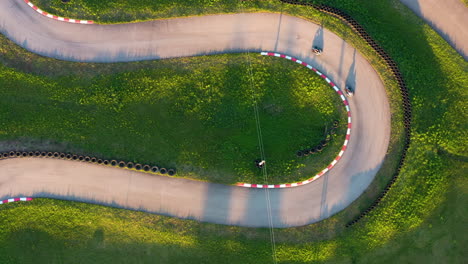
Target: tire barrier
point(391, 64)
point(11, 200)
point(343, 148)
point(74, 157)
point(64, 19)
point(323, 143)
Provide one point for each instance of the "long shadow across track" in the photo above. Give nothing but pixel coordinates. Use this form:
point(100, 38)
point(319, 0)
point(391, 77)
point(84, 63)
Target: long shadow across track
point(181, 37)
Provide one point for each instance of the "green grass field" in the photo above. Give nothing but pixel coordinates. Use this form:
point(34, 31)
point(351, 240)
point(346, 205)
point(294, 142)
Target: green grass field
point(194, 114)
point(419, 221)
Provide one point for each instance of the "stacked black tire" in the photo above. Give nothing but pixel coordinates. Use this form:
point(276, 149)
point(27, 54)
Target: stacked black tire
point(318, 148)
point(395, 71)
point(68, 156)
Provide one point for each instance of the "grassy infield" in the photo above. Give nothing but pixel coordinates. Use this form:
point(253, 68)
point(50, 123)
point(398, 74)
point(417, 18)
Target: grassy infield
point(199, 120)
point(417, 222)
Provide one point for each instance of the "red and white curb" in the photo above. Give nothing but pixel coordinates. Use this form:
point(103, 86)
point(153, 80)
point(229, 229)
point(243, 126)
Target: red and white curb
point(343, 148)
point(64, 19)
point(11, 200)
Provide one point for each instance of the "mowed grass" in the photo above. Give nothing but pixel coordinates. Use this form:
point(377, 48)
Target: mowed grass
point(192, 114)
point(419, 221)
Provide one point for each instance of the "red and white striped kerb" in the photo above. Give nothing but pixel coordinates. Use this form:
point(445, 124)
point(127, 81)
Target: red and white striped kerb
point(22, 199)
point(64, 19)
point(343, 148)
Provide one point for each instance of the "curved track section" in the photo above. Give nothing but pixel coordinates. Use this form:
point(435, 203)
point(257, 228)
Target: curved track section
point(449, 18)
point(189, 37)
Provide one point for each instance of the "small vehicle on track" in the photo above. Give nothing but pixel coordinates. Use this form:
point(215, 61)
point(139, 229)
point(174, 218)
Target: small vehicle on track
point(349, 91)
point(316, 50)
point(259, 163)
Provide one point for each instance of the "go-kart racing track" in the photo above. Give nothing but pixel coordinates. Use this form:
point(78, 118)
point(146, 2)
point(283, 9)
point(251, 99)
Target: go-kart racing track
point(183, 198)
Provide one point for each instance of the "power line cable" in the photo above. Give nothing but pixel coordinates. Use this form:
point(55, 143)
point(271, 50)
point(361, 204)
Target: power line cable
point(262, 153)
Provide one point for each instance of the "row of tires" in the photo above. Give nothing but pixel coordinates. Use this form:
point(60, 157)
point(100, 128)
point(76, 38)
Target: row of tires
point(68, 156)
point(407, 114)
point(321, 145)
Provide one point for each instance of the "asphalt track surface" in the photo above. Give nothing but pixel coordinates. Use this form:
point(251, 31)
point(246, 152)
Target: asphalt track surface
point(448, 17)
point(231, 205)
